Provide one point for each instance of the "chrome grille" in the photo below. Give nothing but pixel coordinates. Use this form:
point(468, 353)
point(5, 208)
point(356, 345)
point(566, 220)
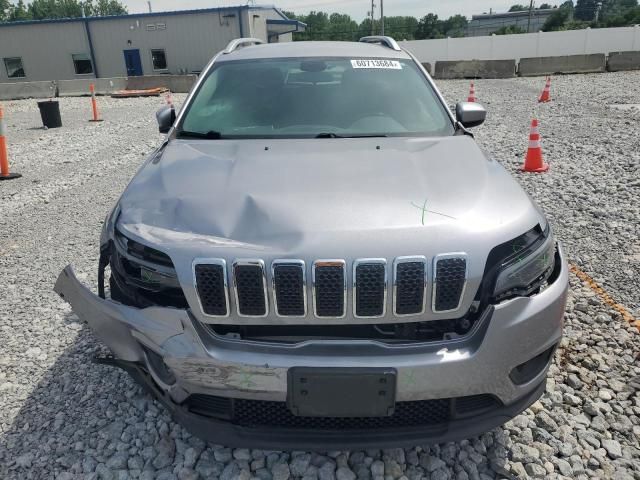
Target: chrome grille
point(449, 280)
point(410, 285)
point(329, 288)
point(211, 286)
point(250, 288)
point(288, 287)
point(369, 288)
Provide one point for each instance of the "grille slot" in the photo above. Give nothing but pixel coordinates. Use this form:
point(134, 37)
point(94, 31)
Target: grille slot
point(289, 288)
point(211, 286)
point(370, 288)
point(329, 286)
point(250, 288)
point(450, 277)
point(410, 275)
point(260, 413)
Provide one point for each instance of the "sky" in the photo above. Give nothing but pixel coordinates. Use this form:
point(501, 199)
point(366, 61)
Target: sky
point(356, 8)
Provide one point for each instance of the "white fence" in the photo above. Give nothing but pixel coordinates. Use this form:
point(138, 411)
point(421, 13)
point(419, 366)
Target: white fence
point(541, 44)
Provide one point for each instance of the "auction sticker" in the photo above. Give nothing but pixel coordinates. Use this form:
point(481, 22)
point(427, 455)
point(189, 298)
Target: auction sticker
point(383, 64)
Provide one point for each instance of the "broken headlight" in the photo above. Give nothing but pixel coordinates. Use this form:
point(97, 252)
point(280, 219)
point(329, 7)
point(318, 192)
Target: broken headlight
point(528, 265)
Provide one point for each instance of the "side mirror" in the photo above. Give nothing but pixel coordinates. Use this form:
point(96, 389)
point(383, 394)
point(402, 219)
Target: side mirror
point(470, 114)
point(165, 117)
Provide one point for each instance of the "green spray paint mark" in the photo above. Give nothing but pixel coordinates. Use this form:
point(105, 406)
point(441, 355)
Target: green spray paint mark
point(423, 209)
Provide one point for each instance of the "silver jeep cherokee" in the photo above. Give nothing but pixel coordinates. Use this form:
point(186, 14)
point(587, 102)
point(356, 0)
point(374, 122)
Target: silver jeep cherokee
point(319, 255)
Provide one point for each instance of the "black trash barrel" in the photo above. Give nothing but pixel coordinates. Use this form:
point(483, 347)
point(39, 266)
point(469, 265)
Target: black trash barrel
point(50, 113)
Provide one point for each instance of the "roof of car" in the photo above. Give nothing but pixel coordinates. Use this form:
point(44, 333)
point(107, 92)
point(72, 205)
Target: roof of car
point(314, 49)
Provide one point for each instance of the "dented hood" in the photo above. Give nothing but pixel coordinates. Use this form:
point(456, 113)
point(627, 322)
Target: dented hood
point(263, 191)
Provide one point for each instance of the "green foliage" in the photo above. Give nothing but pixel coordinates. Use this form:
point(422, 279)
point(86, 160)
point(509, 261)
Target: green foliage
point(558, 19)
point(19, 12)
point(586, 10)
point(509, 30)
point(545, 6)
point(455, 26)
point(341, 27)
point(430, 26)
point(5, 10)
point(518, 8)
point(45, 9)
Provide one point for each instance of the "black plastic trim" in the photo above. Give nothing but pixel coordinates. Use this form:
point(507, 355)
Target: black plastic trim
point(221, 432)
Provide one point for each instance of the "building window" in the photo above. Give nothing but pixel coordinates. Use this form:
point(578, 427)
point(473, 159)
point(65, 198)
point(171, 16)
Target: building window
point(159, 59)
point(14, 67)
point(82, 64)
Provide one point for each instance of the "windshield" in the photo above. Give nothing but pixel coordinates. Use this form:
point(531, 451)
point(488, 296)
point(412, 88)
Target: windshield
point(315, 97)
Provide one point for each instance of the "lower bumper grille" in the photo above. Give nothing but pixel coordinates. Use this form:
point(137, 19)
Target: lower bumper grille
point(258, 413)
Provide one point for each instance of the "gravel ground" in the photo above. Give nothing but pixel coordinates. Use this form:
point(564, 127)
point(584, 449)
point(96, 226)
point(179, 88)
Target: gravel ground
point(65, 418)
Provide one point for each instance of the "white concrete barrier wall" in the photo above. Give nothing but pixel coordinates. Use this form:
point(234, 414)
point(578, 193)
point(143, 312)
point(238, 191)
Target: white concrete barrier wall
point(527, 45)
point(18, 91)
point(104, 86)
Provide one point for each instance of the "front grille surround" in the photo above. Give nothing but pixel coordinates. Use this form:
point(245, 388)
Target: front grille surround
point(262, 290)
point(289, 264)
point(422, 260)
point(358, 285)
point(462, 259)
point(414, 279)
point(337, 265)
point(219, 262)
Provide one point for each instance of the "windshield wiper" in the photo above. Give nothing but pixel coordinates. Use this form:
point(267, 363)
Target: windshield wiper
point(210, 135)
point(364, 135)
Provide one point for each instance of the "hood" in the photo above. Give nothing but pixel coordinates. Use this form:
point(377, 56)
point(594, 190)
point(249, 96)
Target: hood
point(281, 193)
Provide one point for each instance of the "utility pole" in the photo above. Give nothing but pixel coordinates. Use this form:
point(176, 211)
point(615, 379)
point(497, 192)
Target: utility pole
point(149, 3)
point(382, 16)
point(530, 13)
point(373, 8)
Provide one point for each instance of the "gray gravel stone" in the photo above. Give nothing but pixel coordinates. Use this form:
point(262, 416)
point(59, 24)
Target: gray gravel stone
point(280, 471)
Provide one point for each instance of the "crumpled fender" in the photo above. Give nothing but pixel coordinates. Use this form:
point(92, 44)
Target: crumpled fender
point(116, 324)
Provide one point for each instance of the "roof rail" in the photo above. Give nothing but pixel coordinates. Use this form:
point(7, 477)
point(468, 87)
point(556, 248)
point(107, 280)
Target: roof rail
point(238, 42)
point(386, 41)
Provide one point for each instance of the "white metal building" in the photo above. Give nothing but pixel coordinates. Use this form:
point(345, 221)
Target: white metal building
point(131, 45)
point(486, 24)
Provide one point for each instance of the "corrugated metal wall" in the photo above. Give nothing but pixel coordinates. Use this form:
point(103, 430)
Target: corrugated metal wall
point(189, 41)
point(45, 50)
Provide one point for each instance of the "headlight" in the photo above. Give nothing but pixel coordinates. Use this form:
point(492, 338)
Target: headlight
point(528, 266)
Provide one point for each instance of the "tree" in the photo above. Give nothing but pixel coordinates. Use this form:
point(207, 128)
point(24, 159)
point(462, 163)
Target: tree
point(400, 28)
point(19, 12)
point(545, 6)
point(429, 27)
point(518, 8)
point(586, 10)
point(5, 10)
point(102, 8)
point(558, 19)
point(509, 30)
point(455, 26)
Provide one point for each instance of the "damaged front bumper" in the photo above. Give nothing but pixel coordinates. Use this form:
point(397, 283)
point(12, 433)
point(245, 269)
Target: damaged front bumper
point(177, 358)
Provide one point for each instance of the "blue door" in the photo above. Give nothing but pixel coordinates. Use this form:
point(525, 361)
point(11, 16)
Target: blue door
point(133, 62)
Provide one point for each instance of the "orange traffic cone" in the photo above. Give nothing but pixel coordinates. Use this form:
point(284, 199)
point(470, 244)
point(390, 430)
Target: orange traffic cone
point(94, 104)
point(5, 174)
point(534, 161)
point(546, 93)
point(472, 94)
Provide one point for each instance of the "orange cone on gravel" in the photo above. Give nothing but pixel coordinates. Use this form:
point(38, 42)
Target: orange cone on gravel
point(534, 161)
point(472, 93)
point(546, 93)
point(5, 174)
